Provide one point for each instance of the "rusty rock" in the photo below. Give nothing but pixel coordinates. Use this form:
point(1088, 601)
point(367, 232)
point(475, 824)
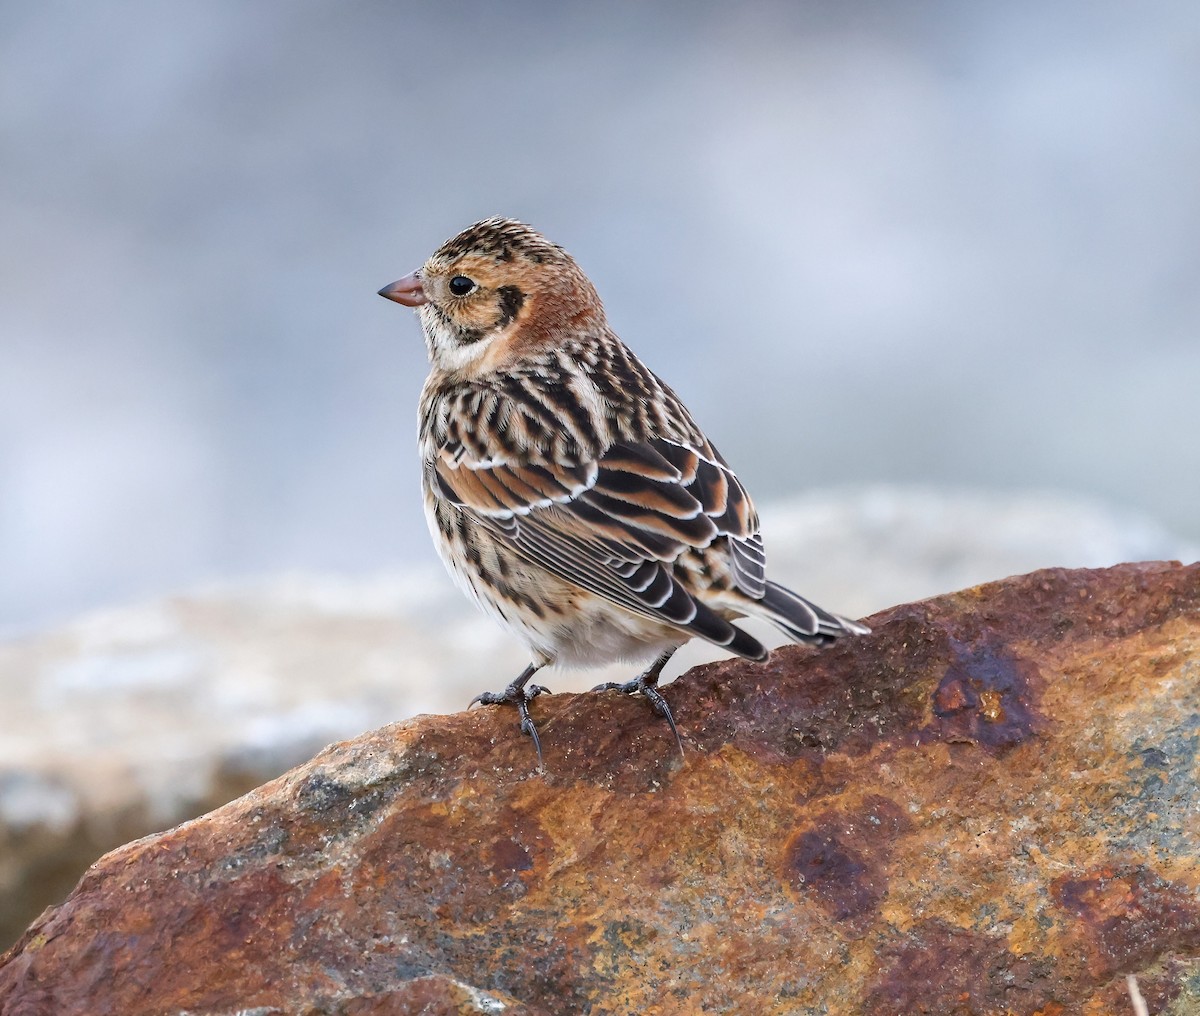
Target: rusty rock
point(989, 805)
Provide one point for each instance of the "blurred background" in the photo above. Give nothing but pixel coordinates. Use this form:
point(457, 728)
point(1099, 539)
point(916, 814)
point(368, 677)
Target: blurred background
point(926, 272)
point(928, 242)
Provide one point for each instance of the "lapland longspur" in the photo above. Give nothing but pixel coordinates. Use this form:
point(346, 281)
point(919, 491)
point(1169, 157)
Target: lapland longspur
point(569, 491)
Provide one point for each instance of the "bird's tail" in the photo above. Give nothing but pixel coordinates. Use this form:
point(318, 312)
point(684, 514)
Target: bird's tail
point(802, 620)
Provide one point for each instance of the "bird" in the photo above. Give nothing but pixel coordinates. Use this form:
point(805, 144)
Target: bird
point(568, 490)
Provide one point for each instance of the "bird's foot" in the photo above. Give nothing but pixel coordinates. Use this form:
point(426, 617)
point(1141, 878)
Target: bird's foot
point(519, 695)
point(647, 686)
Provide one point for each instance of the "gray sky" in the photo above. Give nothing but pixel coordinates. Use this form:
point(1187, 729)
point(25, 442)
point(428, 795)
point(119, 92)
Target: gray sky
point(932, 242)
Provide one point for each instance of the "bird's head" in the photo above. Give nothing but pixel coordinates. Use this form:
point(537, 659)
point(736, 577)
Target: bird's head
point(496, 291)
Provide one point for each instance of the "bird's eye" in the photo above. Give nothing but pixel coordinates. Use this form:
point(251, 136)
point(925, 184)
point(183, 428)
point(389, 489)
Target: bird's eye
point(460, 285)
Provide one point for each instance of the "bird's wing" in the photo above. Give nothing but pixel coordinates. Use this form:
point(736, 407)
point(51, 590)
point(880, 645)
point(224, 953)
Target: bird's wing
point(615, 525)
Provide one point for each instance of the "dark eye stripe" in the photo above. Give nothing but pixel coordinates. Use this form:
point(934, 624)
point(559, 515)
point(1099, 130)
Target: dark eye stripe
point(511, 299)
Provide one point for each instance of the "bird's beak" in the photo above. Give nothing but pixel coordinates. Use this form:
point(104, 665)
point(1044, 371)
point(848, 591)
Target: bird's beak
point(407, 291)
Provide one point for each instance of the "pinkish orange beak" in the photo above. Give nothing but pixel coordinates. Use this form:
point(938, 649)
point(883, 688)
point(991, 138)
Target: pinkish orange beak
point(407, 291)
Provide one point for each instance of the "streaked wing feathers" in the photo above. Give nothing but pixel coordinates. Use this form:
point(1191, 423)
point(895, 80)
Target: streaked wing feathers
point(616, 526)
point(501, 489)
point(648, 588)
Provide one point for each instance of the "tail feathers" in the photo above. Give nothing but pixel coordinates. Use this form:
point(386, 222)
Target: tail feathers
point(803, 621)
point(708, 624)
point(747, 646)
point(796, 617)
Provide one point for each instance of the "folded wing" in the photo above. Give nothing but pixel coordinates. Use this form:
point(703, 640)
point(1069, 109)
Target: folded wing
point(616, 525)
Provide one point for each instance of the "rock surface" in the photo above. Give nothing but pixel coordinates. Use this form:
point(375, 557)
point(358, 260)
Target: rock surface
point(989, 805)
point(136, 718)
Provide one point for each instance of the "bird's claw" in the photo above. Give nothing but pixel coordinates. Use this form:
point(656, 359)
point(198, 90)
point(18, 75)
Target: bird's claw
point(625, 688)
point(519, 696)
point(511, 695)
point(649, 689)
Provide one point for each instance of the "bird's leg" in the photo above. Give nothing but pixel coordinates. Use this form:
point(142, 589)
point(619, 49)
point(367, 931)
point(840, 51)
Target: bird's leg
point(516, 694)
point(647, 683)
